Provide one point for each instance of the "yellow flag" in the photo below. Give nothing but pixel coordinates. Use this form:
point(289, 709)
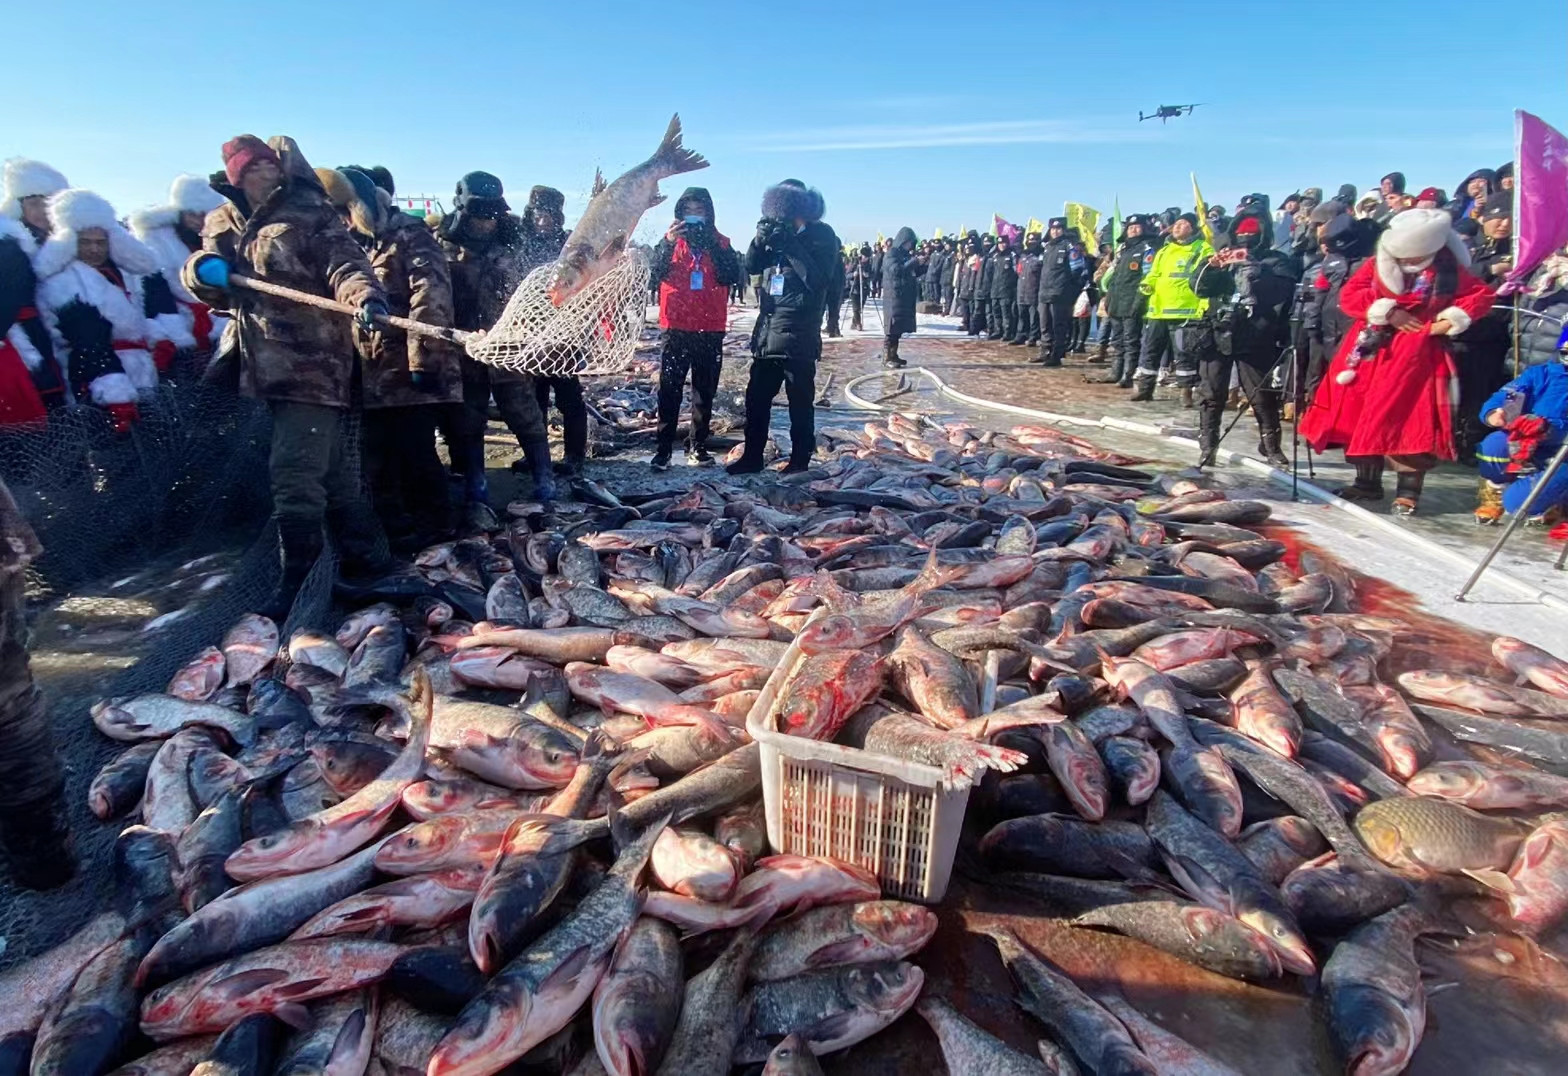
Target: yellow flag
point(879, 239)
point(1085, 219)
point(1035, 226)
point(938, 234)
point(1201, 209)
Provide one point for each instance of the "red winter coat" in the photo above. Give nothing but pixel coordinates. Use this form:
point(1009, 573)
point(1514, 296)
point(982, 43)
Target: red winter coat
point(1400, 401)
point(682, 308)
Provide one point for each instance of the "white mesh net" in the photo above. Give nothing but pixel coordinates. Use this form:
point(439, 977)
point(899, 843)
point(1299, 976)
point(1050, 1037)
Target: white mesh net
point(592, 333)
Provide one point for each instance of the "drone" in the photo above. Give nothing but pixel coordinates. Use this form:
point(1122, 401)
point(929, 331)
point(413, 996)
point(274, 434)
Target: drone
point(1168, 112)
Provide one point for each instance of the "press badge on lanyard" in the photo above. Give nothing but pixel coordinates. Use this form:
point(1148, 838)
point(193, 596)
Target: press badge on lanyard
point(776, 285)
point(696, 280)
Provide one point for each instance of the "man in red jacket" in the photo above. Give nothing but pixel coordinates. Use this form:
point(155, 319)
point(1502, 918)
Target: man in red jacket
point(694, 267)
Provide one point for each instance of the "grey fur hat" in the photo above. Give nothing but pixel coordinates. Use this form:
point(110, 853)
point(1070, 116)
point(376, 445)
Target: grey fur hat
point(791, 199)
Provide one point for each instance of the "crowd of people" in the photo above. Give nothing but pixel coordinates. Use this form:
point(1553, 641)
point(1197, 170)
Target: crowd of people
point(1374, 318)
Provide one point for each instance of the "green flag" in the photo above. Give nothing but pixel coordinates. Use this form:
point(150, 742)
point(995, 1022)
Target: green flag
point(1116, 219)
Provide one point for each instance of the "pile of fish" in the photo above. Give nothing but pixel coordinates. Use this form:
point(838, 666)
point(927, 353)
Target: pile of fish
point(506, 817)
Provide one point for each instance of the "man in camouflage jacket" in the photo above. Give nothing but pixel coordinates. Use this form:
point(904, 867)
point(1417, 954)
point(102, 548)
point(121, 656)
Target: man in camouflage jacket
point(279, 227)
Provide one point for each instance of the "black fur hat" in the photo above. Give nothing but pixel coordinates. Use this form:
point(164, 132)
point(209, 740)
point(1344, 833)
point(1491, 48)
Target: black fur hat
point(792, 200)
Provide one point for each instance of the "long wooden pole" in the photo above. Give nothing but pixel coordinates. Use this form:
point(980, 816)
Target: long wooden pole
point(451, 336)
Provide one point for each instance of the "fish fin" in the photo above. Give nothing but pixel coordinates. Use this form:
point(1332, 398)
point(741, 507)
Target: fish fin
point(295, 1015)
point(830, 1028)
point(843, 951)
point(246, 982)
point(576, 964)
point(350, 1036)
point(598, 183)
point(657, 199)
point(1493, 879)
point(303, 986)
point(671, 157)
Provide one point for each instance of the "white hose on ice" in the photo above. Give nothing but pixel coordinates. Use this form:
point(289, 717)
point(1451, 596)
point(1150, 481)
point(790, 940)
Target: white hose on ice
point(1416, 542)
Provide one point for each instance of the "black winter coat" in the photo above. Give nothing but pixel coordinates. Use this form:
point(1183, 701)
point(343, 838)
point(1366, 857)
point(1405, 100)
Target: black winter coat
point(1322, 317)
point(1004, 277)
point(1123, 299)
point(900, 291)
point(18, 292)
point(967, 274)
point(1063, 270)
point(1029, 275)
point(939, 263)
point(1538, 336)
point(1250, 303)
point(789, 325)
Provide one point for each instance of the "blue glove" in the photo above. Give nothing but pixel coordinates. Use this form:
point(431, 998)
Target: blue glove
point(213, 271)
point(366, 318)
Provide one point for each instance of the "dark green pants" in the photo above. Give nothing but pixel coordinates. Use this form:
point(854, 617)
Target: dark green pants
point(306, 465)
point(29, 769)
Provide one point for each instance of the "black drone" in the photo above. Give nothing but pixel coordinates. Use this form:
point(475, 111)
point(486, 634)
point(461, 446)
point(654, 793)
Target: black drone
point(1168, 112)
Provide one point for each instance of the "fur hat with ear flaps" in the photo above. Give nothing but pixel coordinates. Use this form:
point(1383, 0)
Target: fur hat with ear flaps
point(72, 210)
point(193, 194)
point(793, 200)
point(24, 179)
point(1417, 233)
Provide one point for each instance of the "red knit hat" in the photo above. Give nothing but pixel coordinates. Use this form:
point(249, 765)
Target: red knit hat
point(1429, 194)
point(243, 151)
point(1248, 226)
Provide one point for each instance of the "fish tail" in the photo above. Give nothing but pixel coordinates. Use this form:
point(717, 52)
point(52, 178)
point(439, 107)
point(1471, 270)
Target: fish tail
point(673, 158)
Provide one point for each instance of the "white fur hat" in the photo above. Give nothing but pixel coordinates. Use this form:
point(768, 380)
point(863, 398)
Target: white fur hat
point(74, 209)
point(193, 194)
point(24, 179)
point(1419, 233)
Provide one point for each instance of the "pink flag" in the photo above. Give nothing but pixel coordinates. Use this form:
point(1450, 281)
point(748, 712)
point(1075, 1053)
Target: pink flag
point(1541, 193)
point(1002, 228)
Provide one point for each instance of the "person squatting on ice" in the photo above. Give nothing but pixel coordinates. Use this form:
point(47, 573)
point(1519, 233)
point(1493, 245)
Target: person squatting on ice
point(1529, 419)
point(694, 268)
point(797, 256)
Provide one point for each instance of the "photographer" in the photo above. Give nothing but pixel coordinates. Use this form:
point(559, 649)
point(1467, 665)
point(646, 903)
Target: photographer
point(1250, 287)
point(797, 257)
point(694, 267)
point(900, 282)
point(1528, 418)
point(858, 284)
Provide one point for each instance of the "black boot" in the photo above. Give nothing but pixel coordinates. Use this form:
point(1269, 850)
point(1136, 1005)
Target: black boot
point(537, 456)
point(1269, 449)
point(363, 553)
point(890, 357)
point(300, 544)
point(1145, 391)
point(35, 841)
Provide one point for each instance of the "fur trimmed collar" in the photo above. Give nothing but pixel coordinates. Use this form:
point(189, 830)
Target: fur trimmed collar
point(15, 229)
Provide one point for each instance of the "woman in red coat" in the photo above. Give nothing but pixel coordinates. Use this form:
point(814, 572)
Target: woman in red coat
point(1389, 393)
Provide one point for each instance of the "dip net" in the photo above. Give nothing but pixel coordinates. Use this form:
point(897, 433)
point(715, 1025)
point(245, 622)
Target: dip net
point(593, 333)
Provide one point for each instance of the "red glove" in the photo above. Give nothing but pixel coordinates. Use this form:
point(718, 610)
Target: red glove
point(1525, 435)
point(1321, 283)
point(121, 416)
point(163, 355)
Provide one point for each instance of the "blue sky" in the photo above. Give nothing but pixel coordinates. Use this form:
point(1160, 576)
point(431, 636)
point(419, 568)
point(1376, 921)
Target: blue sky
point(900, 113)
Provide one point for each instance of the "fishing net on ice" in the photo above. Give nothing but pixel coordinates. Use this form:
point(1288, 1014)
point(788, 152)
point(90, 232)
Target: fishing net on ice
point(591, 334)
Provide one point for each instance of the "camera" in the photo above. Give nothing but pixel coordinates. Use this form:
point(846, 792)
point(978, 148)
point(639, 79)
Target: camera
point(772, 232)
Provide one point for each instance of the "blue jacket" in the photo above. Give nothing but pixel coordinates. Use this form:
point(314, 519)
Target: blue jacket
point(1545, 391)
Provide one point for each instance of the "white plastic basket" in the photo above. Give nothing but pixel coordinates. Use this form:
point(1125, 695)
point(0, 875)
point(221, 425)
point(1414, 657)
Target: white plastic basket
point(892, 817)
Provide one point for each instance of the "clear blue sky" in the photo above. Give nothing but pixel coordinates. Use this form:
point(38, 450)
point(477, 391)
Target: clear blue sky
point(911, 112)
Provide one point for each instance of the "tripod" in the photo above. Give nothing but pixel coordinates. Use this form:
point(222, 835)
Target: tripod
point(1290, 388)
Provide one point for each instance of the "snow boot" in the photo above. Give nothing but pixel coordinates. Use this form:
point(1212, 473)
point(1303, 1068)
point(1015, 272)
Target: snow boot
point(1488, 503)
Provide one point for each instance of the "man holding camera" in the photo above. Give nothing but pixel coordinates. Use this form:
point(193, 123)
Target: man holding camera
point(694, 267)
point(797, 257)
point(1250, 288)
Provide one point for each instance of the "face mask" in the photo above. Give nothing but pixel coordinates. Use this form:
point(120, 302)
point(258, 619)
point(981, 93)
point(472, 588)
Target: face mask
point(689, 219)
point(1417, 267)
